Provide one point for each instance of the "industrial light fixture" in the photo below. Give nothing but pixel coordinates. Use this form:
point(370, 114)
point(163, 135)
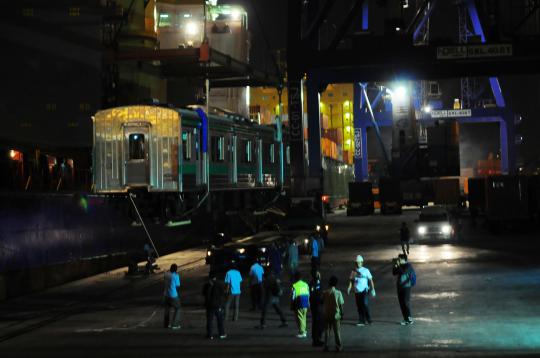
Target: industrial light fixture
point(236, 14)
point(426, 109)
point(192, 28)
point(399, 93)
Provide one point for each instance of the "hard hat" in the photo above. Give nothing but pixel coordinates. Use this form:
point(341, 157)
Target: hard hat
point(359, 258)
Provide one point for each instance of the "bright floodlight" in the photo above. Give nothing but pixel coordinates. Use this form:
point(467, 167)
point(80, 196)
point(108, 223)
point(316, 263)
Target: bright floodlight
point(427, 109)
point(400, 93)
point(192, 28)
point(235, 14)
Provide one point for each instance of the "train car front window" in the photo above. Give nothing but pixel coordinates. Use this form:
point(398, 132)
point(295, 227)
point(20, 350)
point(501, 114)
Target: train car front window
point(136, 146)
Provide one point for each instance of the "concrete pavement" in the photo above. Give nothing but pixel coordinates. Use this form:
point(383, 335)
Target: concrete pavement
point(477, 296)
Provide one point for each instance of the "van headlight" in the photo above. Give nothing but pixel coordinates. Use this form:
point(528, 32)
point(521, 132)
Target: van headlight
point(318, 227)
point(446, 229)
point(208, 253)
point(422, 230)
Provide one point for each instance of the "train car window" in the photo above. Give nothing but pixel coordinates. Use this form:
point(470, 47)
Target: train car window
point(218, 149)
point(186, 145)
point(288, 154)
point(272, 153)
point(136, 146)
point(196, 137)
point(247, 149)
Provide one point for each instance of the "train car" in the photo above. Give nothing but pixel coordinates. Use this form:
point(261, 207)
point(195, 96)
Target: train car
point(183, 156)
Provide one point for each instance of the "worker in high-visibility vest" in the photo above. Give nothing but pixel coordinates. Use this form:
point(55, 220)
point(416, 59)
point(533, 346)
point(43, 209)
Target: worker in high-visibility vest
point(300, 304)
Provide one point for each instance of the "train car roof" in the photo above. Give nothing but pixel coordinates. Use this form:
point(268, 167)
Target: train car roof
point(236, 121)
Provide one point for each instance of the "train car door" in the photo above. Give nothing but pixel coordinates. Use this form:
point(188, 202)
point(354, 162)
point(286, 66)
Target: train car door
point(136, 154)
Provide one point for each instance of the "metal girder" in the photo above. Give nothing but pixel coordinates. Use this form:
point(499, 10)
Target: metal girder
point(418, 16)
point(531, 12)
point(354, 11)
point(222, 69)
point(415, 62)
point(321, 15)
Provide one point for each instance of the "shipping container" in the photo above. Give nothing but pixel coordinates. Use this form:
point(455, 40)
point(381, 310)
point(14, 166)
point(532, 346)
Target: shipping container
point(507, 199)
point(534, 196)
point(390, 196)
point(416, 192)
point(476, 196)
point(360, 199)
point(446, 192)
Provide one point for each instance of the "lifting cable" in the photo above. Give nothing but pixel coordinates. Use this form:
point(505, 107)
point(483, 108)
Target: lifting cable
point(130, 195)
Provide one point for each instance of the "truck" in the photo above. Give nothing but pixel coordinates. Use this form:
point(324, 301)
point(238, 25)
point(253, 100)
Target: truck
point(361, 200)
point(390, 196)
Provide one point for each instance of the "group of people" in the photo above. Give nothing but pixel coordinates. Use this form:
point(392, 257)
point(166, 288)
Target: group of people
point(221, 296)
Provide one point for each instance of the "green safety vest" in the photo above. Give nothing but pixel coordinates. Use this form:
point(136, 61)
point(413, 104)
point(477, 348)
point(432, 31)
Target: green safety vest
point(301, 288)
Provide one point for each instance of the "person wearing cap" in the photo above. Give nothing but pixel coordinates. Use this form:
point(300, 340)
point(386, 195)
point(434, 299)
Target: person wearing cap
point(361, 281)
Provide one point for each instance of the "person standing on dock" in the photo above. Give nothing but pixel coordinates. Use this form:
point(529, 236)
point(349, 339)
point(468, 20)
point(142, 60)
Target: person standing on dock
point(255, 285)
point(172, 298)
point(233, 280)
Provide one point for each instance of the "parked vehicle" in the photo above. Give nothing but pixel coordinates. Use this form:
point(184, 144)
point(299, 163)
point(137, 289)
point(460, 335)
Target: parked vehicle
point(360, 199)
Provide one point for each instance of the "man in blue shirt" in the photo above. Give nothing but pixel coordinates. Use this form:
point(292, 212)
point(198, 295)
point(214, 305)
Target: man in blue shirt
point(233, 280)
point(172, 298)
point(315, 253)
point(255, 284)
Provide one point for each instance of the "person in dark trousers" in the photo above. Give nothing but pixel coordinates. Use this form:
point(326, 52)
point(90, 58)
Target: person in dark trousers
point(404, 237)
point(214, 293)
point(333, 313)
point(315, 302)
point(256, 273)
point(272, 293)
point(172, 298)
point(361, 283)
point(315, 253)
point(404, 273)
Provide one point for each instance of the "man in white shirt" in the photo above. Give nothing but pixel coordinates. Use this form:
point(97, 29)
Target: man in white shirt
point(362, 282)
